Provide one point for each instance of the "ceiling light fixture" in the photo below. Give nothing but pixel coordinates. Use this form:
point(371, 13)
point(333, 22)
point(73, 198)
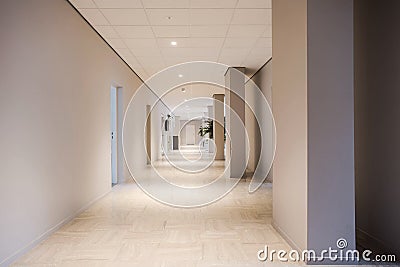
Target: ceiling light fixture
point(183, 90)
point(180, 75)
point(174, 43)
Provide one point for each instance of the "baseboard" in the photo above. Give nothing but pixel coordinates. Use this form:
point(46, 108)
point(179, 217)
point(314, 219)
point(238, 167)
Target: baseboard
point(19, 253)
point(377, 246)
point(285, 236)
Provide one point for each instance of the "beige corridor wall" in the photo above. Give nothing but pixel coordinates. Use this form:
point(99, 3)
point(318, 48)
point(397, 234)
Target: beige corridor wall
point(289, 100)
point(313, 108)
point(263, 80)
point(55, 78)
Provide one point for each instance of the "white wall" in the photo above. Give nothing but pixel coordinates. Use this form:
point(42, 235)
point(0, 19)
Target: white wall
point(183, 124)
point(55, 78)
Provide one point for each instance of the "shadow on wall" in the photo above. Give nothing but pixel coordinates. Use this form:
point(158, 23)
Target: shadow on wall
point(377, 113)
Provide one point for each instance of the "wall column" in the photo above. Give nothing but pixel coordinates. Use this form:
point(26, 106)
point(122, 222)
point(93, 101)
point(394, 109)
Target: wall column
point(236, 132)
point(218, 128)
point(313, 192)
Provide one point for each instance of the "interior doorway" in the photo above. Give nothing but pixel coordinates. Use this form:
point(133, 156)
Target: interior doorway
point(115, 132)
point(190, 134)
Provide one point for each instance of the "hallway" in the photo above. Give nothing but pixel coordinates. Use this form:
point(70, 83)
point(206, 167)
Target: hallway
point(128, 228)
point(136, 130)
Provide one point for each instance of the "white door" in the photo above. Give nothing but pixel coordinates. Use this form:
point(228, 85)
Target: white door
point(113, 97)
point(190, 135)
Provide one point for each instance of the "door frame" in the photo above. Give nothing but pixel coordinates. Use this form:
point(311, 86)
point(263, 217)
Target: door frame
point(116, 121)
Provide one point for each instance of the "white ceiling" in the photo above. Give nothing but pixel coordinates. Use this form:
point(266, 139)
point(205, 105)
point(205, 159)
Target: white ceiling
point(233, 32)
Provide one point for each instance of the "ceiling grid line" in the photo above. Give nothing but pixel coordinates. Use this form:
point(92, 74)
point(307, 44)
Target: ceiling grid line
point(153, 34)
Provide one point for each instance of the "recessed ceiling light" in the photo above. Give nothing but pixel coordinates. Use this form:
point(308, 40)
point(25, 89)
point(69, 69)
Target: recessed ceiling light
point(174, 43)
point(183, 90)
point(180, 75)
point(169, 17)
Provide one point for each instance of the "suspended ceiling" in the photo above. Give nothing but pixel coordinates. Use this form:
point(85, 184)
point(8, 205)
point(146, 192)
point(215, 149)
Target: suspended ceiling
point(153, 34)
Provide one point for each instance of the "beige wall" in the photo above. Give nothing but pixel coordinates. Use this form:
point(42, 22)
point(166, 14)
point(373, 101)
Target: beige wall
point(313, 193)
point(235, 116)
point(217, 110)
point(55, 80)
point(263, 80)
point(289, 100)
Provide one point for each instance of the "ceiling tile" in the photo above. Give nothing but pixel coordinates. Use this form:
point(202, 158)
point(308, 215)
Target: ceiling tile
point(210, 16)
point(252, 16)
point(154, 69)
point(168, 16)
point(255, 61)
point(171, 31)
point(191, 42)
point(116, 43)
point(268, 31)
point(106, 31)
point(205, 30)
point(264, 42)
point(150, 60)
point(127, 16)
point(213, 3)
point(246, 30)
point(181, 42)
point(146, 52)
point(134, 31)
point(234, 52)
point(176, 52)
point(124, 52)
point(254, 4)
point(176, 60)
point(142, 73)
point(206, 42)
point(233, 62)
point(190, 52)
point(144, 76)
point(166, 3)
point(240, 42)
point(205, 52)
point(261, 51)
point(133, 63)
point(141, 43)
point(208, 31)
point(212, 58)
point(118, 3)
point(83, 3)
point(94, 16)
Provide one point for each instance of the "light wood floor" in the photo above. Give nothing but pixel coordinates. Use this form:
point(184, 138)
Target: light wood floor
point(128, 228)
